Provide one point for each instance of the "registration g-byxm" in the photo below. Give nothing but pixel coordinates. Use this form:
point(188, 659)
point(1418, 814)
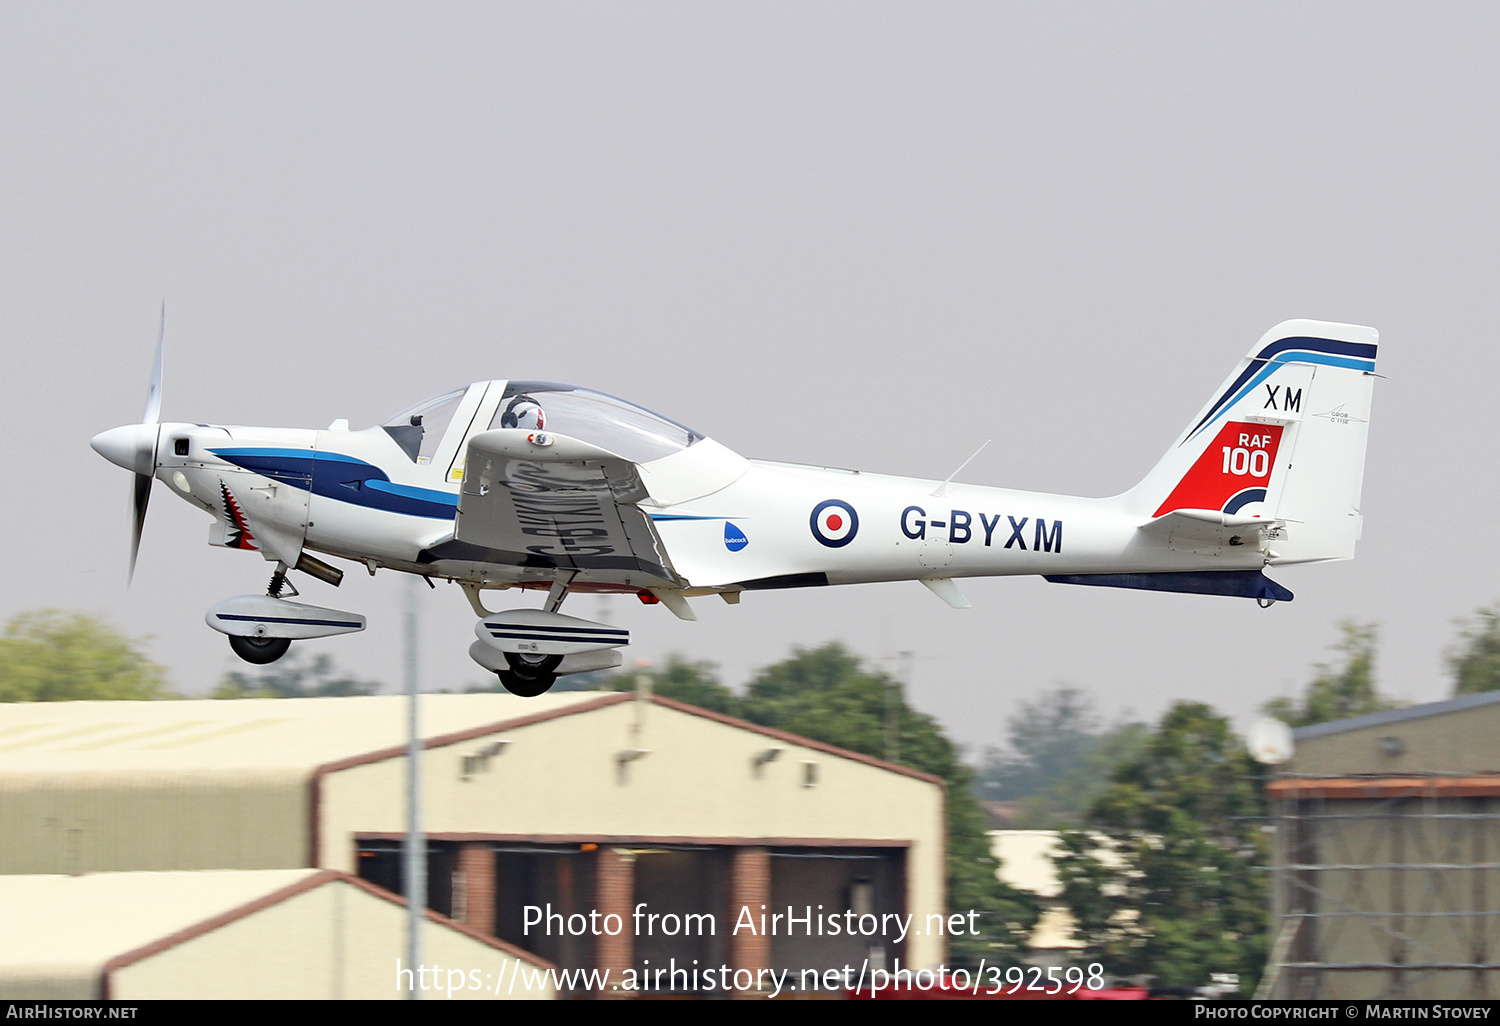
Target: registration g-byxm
point(534, 485)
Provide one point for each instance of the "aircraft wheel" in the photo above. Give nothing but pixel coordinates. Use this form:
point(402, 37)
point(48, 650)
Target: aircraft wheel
point(259, 650)
point(529, 675)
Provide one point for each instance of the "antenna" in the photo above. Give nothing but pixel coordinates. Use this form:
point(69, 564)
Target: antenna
point(414, 856)
point(942, 489)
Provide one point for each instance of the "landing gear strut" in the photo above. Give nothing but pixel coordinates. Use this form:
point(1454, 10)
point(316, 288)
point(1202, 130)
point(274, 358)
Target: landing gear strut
point(261, 651)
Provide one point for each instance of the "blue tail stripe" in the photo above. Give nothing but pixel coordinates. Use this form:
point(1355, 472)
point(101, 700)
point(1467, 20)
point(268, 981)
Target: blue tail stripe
point(1262, 369)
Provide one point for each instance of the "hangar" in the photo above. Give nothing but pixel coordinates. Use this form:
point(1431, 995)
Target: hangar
point(1387, 860)
point(537, 812)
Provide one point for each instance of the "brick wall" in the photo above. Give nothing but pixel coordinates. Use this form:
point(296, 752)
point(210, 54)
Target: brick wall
point(476, 870)
point(749, 887)
point(614, 891)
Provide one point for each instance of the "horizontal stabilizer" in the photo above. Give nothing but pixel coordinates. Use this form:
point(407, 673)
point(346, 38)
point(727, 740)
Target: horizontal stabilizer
point(1239, 583)
point(1212, 532)
point(1212, 517)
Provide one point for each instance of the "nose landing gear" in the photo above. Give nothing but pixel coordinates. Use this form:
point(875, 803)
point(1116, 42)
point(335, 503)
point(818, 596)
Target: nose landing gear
point(262, 627)
point(258, 649)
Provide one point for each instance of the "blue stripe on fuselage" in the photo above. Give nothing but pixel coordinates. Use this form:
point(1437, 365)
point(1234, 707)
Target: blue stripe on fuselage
point(343, 478)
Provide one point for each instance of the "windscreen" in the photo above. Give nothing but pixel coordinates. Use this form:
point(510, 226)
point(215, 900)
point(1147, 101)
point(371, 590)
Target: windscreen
point(419, 429)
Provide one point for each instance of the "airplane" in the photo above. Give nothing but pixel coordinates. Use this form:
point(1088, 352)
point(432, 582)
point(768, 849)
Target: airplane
point(536, 485)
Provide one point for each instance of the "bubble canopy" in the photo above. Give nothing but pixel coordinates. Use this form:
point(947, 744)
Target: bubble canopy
point(620, 427)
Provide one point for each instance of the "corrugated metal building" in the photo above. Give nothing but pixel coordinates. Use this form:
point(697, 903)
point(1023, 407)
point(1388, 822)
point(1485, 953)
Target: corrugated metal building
point(578, 801)
point(287, 933)
point(1387, 865)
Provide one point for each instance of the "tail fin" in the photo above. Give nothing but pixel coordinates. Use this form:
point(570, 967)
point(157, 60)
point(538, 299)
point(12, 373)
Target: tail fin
point(1283, 439)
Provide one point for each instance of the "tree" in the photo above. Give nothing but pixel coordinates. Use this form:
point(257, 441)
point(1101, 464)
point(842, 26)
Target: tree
point(824, 694)
point(294, 677)
point(1164, 882)
point(1475, 661)
point(1058, 760)
point(1047, 737)
point(1338, 692)
point(53, 656)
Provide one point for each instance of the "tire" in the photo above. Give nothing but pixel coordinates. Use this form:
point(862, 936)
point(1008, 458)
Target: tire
point(526, 687)
point(259, 650)
point(529, 675)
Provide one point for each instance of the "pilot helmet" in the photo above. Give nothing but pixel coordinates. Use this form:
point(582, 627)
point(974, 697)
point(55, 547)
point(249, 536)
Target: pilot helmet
point(523, 412)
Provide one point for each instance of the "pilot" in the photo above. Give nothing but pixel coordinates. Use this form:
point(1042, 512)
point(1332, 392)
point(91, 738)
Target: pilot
point(524, 412)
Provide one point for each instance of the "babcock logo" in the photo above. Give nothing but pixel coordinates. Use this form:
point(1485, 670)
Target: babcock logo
point(834, 523)
point(734, 538)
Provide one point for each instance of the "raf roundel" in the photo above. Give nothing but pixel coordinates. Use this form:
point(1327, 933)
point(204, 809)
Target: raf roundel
point(834, 523)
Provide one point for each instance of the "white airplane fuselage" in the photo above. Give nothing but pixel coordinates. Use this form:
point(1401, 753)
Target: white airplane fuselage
point(538, 485)
point(757, 529)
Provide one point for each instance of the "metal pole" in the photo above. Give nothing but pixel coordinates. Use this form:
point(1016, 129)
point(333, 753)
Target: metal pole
point(892, 712)
point(414, 855)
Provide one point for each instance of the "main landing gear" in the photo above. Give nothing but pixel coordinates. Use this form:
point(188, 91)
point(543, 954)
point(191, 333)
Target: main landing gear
point(528, 649)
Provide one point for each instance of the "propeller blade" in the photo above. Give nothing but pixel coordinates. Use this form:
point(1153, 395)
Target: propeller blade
point(152, 415)
point(142, 497)
point(153, 394)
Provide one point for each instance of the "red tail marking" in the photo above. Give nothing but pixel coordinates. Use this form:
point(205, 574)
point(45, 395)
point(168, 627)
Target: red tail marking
point(1240, 456)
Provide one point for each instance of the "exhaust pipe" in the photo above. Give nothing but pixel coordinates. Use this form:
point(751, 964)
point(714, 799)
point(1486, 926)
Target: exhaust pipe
point(315, 567)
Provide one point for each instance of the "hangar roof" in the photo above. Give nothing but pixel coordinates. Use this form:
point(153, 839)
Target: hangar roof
point(296, 734)
point(1452, 739)
point(290, 733)
point(121, 911)
point(1412, 712)
point(64, 936)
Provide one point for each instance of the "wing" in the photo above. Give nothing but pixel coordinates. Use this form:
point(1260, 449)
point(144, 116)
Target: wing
point(546, 502)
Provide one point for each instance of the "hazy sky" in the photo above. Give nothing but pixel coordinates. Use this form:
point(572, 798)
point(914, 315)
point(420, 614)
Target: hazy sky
point(869, 235)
